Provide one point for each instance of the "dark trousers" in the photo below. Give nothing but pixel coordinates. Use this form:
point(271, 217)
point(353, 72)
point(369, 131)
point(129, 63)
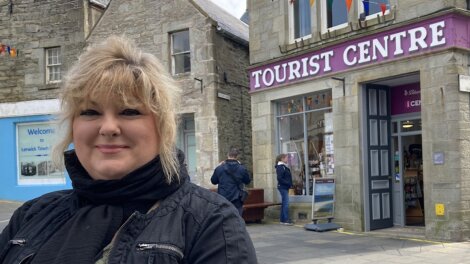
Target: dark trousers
point(284, 205)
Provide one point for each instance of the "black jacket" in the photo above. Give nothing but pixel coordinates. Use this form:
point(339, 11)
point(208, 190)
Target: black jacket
point(229, 175)
point(191, 225)
point(284, 177)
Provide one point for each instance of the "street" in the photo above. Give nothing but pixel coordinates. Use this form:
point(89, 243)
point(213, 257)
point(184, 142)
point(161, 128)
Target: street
point(276, 244)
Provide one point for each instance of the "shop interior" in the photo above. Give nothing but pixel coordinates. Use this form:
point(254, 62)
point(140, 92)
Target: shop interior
point(412, 160)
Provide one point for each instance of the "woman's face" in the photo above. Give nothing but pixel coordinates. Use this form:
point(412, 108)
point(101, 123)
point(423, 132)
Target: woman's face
point(112, 140)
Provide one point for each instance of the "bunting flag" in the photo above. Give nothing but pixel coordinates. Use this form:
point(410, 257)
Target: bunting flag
point(330, 4)
point(366, 6)
point(13, 52)
point(383, 7)
point(311, 2)
point(348, 4)
point(8, 50)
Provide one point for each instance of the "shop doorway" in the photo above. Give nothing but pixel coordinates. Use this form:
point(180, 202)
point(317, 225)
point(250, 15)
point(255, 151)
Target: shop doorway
point(392, 125)
point(408, 172)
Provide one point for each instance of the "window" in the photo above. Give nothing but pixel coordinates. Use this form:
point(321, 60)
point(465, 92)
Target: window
point(301, 12)
point(53, 63)
point(180, 53)
point(369, 9)
point(335, 14)
point(305, 133)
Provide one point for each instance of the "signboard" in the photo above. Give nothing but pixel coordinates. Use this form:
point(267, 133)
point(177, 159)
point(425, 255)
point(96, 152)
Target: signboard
point(464, 83)
point(323, 198)
point(409, 40)
point(34, 147)
point(406, 99)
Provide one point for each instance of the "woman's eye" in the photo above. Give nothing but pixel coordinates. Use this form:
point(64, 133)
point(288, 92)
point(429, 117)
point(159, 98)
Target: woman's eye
point(130, 112)
point(89, 112)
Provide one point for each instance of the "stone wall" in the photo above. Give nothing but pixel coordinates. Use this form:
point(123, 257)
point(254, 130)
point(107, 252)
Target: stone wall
point(32, 27)
point(234, 114)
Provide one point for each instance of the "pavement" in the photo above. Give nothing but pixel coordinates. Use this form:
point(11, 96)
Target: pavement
point(280, 244)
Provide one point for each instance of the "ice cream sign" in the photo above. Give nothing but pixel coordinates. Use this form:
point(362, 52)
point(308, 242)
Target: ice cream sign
point(426, 36)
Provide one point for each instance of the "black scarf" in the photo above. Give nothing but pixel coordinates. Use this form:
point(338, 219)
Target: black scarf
point(103, 207)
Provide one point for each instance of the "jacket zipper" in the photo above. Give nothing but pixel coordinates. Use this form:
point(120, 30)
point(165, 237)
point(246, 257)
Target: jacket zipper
point(18, 242)
point(151, 246)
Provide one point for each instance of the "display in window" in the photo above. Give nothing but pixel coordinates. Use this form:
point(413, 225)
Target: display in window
point(35, 141)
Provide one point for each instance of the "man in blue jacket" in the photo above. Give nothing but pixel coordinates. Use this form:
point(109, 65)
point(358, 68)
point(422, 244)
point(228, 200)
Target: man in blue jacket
point(230, 175)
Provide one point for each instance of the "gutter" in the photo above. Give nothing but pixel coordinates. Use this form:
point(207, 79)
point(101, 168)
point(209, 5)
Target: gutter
point(232, 36)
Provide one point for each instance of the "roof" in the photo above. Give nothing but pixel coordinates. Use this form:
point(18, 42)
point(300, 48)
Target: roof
point(226, 23)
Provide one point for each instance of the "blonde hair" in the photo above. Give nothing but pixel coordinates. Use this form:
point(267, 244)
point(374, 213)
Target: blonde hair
point(116, 68)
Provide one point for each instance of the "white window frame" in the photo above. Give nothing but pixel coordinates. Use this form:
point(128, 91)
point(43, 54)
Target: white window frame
point(56, 64)
point(324, 17)
point(173, 54)
point(292, 38)
point(360, 9)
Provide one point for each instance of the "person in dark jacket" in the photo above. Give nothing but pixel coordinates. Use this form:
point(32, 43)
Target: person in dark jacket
point(284, 183)
point(230, 175)
point(131, 200)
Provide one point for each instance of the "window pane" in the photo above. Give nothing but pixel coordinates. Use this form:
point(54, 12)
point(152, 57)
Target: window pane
point(291, 139)
point(375, 6)
point(180, 41)
point(302, 21)
point(290, 106)
point(337, 13)
point(319, 100)
point(182, 63)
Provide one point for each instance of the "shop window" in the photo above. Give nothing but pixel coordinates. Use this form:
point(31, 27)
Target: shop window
point(53, 63)
point(334, 14)
point(305, 129)
point(300, 11)
point(34, 145)
point(369, 9)
point(180, 52)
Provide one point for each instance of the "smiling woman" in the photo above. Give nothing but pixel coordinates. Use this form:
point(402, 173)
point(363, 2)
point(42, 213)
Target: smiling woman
point(132, 201)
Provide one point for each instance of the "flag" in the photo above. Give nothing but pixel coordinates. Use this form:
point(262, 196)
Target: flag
point(13, 52)
point(383, 7)
point(366, 6)
point(311, 2)
point(348, 4)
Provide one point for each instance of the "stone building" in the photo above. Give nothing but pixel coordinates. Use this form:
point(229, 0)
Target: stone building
point(370, 101)
point(47, 36)
point(204, 47)
point(206, 50)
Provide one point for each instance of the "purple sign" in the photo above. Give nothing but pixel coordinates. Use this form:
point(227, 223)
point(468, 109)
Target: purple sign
point(426, 36)
point(406, 99)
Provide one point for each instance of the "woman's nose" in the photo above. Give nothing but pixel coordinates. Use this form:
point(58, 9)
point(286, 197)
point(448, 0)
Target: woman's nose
point(110, 126)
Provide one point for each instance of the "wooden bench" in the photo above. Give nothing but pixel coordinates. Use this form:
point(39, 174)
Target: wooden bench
point(253, 208)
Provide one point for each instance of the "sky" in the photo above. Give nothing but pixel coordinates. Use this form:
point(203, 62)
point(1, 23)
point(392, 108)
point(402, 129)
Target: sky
point(234, 7)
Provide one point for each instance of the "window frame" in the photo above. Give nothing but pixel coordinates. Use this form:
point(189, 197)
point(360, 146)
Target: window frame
point(301, 107)
point(324, 18)
point(173, 54)
point(292, 19)
point(53, 65)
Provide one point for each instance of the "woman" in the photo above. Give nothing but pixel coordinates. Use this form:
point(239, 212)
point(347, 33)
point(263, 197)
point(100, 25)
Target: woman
point(131, 201)
point(284, 183)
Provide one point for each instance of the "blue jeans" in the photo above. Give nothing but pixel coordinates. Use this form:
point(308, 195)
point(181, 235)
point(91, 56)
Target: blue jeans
point(285, 205)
